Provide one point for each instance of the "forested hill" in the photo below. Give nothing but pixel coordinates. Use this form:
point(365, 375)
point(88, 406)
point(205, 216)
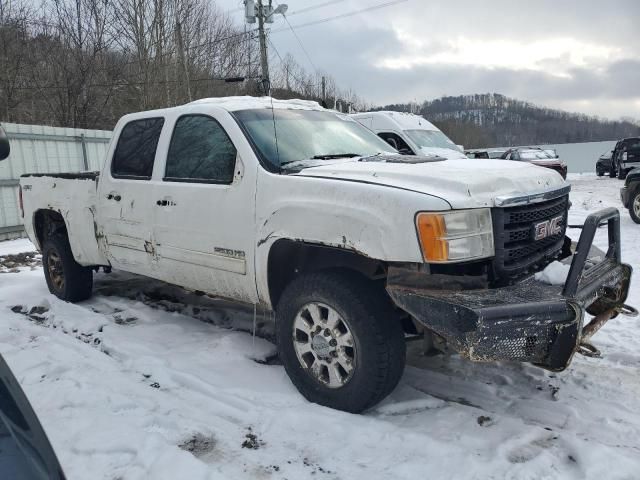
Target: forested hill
point(491, 120)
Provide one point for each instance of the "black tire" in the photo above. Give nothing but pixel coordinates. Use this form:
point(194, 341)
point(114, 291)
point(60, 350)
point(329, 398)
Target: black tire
point(632, 211)
point(57, 259)
point(612, 170)
point(622, 173)
point(599, 172)
point(379, 354)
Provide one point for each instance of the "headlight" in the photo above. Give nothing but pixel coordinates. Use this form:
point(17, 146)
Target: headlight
point(455, 236)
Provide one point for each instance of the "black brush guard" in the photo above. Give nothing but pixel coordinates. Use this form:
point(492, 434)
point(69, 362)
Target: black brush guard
point(529, 321)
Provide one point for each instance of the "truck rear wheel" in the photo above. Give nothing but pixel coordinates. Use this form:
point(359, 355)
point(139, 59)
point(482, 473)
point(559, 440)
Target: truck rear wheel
point(66, 278)
point(338, 340)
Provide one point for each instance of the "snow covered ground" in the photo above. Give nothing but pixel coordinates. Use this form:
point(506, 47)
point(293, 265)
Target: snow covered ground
point(146, 380)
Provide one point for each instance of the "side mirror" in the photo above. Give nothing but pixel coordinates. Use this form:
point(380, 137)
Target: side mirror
point(25, 449)
point(5, 148)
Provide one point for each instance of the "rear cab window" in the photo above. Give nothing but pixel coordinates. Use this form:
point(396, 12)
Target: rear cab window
point(632, 144)
point(136, 149)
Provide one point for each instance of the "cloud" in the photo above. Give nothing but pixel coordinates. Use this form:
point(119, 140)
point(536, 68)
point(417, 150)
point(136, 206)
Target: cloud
point(575, 54)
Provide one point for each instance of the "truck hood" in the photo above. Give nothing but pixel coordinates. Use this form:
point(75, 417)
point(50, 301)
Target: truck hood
point(443, 152)
point(469, 183)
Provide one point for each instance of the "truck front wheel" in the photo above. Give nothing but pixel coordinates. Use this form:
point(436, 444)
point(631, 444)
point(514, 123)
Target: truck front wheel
point(634, 206)
point(66, 278)
point(338, 340)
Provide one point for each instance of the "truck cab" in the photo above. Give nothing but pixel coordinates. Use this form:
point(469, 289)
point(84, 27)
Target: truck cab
point(410, 134)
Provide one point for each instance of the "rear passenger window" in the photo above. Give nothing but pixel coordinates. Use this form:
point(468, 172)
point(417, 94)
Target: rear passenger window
point(136, 149)
point(200, 151)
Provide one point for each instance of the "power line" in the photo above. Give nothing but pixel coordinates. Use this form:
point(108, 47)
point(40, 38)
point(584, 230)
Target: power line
point(129, 84)
point(343, 15)
point(304, 82)
point(300, 43)
point(315, 7)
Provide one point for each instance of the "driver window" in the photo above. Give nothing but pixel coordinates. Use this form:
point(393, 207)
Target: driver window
point(396, 142)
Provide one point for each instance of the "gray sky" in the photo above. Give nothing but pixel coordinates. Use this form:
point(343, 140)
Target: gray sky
point(581, 56)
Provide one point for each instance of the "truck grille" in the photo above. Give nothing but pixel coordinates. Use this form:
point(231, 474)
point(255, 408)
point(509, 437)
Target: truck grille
point(517, 249)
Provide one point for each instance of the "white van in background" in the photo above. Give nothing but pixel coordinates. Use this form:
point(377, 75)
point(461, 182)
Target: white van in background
point(410, 134)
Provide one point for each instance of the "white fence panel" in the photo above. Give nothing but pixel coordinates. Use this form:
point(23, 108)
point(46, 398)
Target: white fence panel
point(42, 149)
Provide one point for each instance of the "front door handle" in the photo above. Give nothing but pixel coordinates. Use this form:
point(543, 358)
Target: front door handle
point(166, 202)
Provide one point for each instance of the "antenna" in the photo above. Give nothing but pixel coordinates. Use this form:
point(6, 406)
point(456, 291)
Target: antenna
point(275, 130)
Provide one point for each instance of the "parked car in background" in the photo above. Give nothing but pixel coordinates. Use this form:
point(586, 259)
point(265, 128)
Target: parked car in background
point(626, 155)
point(496, 153)
point(630, 194)
point(410, 134)
point(484, 153)
point(537, 156)
point(477, 154)
point(603, 165)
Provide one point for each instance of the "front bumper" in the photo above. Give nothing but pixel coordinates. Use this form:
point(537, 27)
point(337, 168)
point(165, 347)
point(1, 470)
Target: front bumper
point(530, 321)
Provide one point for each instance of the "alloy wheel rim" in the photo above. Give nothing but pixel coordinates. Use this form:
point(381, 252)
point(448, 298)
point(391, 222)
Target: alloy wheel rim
point(56, 272)
point(636, 205)
point(324, 345)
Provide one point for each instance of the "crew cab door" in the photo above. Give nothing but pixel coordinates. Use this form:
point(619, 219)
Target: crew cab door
point(125, 187)
point(204, 206)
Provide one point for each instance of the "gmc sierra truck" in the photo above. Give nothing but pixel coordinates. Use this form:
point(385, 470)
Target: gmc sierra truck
point(304, 211)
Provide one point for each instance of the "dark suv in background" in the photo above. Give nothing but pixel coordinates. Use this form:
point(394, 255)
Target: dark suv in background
point(625, 156)
point(537, 156)
point(603, 165)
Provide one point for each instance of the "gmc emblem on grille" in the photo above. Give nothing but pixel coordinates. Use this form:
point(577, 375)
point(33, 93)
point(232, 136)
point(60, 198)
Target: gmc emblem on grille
point(548, 228)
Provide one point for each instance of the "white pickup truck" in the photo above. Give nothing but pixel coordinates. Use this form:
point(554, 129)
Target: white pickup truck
point(301, 210)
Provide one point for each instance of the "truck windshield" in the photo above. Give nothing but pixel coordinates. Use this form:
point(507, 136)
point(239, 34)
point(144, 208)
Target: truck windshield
point(431, 139)
point(307, 134)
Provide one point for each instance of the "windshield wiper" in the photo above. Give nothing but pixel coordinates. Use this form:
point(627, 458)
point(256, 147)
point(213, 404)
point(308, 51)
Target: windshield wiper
point(331, 156)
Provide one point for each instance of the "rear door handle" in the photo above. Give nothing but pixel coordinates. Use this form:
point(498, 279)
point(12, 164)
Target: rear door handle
point(114, 196)
point(166, 202)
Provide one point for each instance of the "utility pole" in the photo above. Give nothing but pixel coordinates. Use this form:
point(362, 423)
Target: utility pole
point(324, 88)
point(286, 67)
point(264, 59)
point(183, 58)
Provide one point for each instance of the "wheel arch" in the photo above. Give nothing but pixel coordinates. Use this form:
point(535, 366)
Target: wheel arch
point(288, 258)
point(46, 223)
point(78, 227)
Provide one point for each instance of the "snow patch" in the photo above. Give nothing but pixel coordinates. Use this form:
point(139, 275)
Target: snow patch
point(555, 274)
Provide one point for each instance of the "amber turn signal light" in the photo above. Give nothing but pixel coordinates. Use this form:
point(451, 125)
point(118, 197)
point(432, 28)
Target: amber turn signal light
point(432, 231)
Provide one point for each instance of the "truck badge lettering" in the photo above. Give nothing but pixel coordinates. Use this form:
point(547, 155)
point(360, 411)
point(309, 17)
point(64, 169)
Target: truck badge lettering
point(228, 252)
point(548, 228)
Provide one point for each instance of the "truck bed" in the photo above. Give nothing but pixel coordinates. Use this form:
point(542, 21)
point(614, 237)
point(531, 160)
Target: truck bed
point(74, 197)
